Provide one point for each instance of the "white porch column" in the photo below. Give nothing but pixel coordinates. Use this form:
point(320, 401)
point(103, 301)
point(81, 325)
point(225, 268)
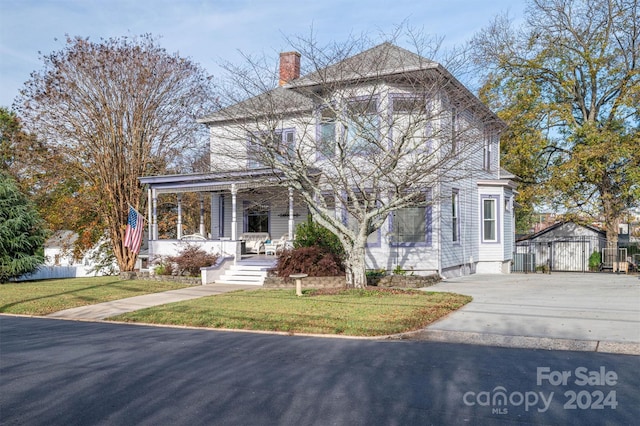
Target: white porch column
point(179, 233)
point(291, 220)
point(154, 214)
point(214, 216)
point(234, 215)
point(149, 223)
point(202, 215)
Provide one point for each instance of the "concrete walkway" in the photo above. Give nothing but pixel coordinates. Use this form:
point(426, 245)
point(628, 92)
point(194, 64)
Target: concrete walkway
point(104, 310)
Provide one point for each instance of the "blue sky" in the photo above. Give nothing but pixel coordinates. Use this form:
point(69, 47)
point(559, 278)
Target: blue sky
point(213, 31)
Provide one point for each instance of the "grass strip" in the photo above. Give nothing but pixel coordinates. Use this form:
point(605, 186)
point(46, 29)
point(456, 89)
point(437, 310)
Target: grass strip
point(364, 312)
point(48, 296)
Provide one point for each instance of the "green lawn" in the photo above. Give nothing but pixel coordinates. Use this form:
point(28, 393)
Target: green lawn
point(45, 297)
point(370, 312)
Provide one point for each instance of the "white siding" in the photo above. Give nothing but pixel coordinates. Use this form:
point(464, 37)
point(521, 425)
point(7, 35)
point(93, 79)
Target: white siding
point(229, 152)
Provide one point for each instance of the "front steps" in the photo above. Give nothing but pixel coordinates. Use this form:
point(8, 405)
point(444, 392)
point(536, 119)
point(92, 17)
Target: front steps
point(244, 274)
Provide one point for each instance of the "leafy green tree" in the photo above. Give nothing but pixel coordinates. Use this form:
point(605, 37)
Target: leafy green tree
point(115, 110)
point(64, 199)
point(522, 142)
point(22, 232)
point(568, 83)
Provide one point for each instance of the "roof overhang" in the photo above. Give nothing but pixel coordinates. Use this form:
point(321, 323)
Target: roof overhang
point(505, 183)
point(214, 181)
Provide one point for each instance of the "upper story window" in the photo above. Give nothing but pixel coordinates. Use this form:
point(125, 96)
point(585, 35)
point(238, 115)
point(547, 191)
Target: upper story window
point(362, 126)
point(253, 152)
point(408, 120)
point(490, 139)
point(326, 133)
point(279, 141)
point(287, 143)
point(455, 130)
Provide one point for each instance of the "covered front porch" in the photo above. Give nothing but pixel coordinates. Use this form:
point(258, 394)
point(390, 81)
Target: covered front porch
point(234, 214)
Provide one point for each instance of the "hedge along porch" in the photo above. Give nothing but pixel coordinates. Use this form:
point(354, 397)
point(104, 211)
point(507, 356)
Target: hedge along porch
point(240, 204)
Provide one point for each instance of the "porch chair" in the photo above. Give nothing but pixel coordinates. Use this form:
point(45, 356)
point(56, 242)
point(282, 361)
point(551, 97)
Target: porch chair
point(276, 246)
point(254, 241)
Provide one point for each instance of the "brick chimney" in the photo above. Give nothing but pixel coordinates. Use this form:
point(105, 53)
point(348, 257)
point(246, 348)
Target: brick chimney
point(289, 67)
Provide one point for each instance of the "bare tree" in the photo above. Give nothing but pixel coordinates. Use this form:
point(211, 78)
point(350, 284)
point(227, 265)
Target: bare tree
point(570, 73)
point(116, 110)
point(375, 132)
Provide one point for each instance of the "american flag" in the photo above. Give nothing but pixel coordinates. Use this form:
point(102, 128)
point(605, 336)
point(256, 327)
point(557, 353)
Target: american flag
point(133, 234)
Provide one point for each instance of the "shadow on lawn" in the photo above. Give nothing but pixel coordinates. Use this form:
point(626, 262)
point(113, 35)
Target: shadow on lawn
point(4, 308)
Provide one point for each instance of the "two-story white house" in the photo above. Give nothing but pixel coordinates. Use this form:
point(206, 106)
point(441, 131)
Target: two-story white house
point(388, 106)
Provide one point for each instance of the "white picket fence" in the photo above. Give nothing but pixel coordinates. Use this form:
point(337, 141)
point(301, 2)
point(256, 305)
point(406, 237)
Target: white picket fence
point(56, 272)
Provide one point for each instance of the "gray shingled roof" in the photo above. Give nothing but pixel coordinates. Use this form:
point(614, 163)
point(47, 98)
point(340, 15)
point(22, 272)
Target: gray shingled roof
point(383, 59)
point(279, 99)
point(380, 61)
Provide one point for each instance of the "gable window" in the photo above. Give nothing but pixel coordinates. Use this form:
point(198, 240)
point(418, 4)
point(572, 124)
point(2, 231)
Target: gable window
point(411, 226)
point(490, 219)
point(326, 133)
point(363, 124)
point(256, 217)
point(455, 222)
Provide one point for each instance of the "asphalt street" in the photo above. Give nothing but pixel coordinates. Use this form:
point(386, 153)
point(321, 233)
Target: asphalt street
point(55, 372)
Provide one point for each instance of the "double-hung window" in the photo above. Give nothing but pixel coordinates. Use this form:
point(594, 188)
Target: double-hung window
point(411, 226)
point(326, 133)
point(454, 130)
point(286, 138)
point(489, 140)
point(408, 121)
point(490, 219)
point(353, 223)
point(253, 152)
point(363, 126)
point(279, 142)
point(455, 220)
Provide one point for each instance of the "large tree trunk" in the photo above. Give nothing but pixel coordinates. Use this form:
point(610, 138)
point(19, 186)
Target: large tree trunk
point(356, 266)
point(612, 210)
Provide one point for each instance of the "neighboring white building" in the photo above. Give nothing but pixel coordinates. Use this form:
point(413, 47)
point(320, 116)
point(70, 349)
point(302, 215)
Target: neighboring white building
point(468, 228)
point(59, 261)
point(58, 249)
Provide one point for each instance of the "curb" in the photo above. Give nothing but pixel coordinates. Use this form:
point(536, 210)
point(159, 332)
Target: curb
point(425, 335)
point(522, 342)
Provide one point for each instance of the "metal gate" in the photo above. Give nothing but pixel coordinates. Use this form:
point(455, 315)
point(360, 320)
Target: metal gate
point(572, 254)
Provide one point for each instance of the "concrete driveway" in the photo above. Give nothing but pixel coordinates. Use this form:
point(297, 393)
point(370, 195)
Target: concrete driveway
point(598, 310)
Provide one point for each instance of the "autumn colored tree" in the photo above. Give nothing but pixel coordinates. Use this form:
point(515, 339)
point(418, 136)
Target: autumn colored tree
point(568, 84)
point(16, 149)
point(115, 110)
